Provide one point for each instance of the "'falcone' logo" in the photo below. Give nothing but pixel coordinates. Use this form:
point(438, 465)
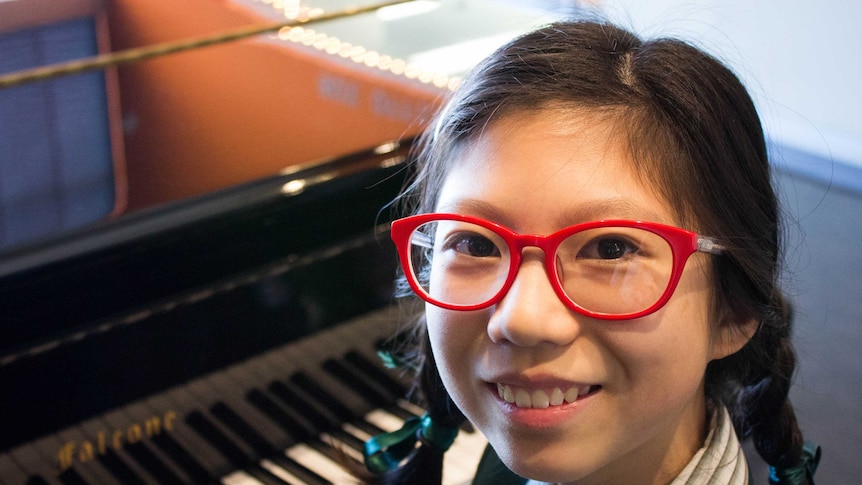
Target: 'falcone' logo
point(83, 451)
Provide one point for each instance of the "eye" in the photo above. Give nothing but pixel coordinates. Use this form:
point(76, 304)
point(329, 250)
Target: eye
point(472, 244)
point(608, 248)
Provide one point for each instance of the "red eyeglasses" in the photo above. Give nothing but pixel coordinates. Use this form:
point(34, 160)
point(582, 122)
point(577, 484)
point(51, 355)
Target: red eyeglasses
point(613, 270)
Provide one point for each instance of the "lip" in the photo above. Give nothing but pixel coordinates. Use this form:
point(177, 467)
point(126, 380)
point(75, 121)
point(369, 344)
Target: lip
point(544, 417)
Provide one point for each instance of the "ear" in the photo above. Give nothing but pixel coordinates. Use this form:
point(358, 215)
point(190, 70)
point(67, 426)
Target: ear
point(731, 333)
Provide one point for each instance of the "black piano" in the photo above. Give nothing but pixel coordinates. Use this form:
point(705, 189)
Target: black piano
point(229, 338)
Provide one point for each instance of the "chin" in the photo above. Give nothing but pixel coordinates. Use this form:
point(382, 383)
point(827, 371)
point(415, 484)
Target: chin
point(547, 475)
point(543, 467)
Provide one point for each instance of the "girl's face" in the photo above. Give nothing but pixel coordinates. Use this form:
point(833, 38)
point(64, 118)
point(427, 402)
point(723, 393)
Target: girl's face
point(641, 412)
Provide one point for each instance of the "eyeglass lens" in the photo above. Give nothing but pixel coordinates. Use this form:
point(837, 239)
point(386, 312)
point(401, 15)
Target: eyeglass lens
point(611, 270)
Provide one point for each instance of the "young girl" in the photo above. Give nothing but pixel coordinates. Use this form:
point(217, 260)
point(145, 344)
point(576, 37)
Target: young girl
point(596, 239)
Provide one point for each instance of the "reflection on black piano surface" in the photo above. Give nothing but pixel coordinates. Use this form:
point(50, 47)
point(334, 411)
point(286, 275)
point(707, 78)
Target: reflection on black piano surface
point(198, 342)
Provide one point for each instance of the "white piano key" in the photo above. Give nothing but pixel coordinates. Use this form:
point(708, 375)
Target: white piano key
point(200, 467)
point(362, 435)
point(341, 446)
point(214, 462)
point(462, 459)
point(410, 407)
point(33, 463)
point(240, 477)
point(10, 472)
point(384, 420)
point(50, 447)
point(280, 472)
point(323, 466)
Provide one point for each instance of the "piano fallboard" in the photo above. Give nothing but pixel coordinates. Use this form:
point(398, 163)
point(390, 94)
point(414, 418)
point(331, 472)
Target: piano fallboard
point(298, 413)
point(218, 338)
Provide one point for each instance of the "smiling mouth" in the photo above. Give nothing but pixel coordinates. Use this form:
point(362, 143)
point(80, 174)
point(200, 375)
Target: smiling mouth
point(541, 398)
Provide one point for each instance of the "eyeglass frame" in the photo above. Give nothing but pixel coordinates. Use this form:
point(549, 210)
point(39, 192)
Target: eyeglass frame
point(683, 244)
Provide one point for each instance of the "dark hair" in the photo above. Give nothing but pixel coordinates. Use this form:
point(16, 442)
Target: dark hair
point(695, 135)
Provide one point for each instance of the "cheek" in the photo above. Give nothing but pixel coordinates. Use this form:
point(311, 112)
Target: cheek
point(668, 359)
point(455, 339)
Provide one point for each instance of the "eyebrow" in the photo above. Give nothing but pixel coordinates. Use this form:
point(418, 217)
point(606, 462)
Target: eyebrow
point(613, 208)
point(478, 208)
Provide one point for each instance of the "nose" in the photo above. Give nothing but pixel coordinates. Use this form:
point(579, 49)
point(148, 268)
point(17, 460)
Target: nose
point(531, 313)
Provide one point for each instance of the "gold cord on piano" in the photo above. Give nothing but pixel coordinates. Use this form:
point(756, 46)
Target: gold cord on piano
point(140, 53)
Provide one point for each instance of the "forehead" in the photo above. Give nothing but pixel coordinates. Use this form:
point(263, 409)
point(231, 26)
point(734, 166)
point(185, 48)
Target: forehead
point(569, 166)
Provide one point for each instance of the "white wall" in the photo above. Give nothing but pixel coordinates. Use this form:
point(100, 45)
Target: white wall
point(801, 60)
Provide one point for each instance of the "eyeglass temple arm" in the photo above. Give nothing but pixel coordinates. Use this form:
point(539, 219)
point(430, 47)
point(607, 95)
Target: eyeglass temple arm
point(422, 240)
point(708, 245)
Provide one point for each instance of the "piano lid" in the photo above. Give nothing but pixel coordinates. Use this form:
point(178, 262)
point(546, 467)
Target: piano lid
point(432, 42)
point(337, 86)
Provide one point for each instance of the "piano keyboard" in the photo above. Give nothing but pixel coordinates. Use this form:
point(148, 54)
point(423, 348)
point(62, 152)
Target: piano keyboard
point(298, 414)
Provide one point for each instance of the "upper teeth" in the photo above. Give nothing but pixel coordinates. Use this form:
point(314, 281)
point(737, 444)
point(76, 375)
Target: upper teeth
point(540, 398)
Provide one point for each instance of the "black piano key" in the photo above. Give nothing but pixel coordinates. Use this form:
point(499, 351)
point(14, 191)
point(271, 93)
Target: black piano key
point(264, 434)
point(366, 387)
point(230, 387)
point(218, 440)
point(49, 447)
point(120, 469)
point(277, 414)
point(293, 400)
point(230, 448)
point(325, 398)
point(363, 361)
point(69, 469)
point(298, 427)
point(136, 448)
point(89, 466)
point(308, 359)
point(242, 429)
point(279, 400)
point(374, 371)
point(183, 459)
point(260, 374)
point(296, 414)
point(318, 392)
point(336, 447)
point(147, 459)
point(70, 476)
point(358, 382)
point(322, 398)
point(349, 440)
point(37, 480)
point(228, 432)
point(113, 457)
point(190, 444)
point(297, 469)
point(162, 422)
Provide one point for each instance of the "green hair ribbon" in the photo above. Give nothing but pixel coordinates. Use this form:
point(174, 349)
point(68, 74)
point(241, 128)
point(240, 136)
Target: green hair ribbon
point(384, 452)
point(803, 472)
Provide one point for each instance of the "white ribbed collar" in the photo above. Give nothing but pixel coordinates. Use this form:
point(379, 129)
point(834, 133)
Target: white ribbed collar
point(720, 461)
